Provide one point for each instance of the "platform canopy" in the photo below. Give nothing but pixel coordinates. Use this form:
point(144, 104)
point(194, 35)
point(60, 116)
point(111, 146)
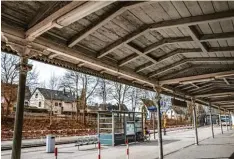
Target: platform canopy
point(186, 48)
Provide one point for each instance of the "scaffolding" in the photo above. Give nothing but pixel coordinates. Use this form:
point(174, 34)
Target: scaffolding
point(115, 127)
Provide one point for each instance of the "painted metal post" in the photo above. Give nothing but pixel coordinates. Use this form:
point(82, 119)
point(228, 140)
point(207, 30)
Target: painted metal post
point(24, 67)
point(98, 126)
point(230, 122)
point(220, 121)
point(195, 121)
point(211, 122)
point(226, 119)
point(160, 145)
point(113, 129)
point(154, 123)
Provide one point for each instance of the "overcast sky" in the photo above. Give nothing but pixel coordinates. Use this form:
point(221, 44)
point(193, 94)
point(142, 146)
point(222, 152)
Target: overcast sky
point(46, 70)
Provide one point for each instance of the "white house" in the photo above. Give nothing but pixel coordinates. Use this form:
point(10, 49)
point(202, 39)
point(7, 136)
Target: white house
point(175, 112)
point(60, 102)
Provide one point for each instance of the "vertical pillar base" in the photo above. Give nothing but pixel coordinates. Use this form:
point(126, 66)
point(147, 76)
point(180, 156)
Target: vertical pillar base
point(24, 67)
point(195, 122)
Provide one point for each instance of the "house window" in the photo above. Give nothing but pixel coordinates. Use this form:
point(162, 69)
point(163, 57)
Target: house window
point(39, 104)
point(36, 95)
point(56, 104)
point(60, 104)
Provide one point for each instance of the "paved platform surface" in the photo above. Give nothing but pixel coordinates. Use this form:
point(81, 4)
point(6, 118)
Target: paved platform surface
point(177, 145)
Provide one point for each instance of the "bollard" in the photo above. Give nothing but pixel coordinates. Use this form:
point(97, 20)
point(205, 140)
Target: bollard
point(99, 150)
point(127, 149)
point(56, 152)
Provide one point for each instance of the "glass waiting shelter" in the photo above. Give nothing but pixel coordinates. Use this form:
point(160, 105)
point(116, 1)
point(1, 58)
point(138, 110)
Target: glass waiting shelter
point(115, 127)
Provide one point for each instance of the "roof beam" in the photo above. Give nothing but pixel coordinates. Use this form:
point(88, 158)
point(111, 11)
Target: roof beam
point(189, 21)
point(167, 24)
point(157, 45)
point(64, 16)
point(135, 49)
point(52, 56)
point(204, 76)
point(50, 21)
point(122, 41)
point(194, 66)
point(213, 94)
point(179, 63)
point(166, 41)
point(200, 88)
point(195, 36)
point(217, 36)
point(107, 17)
point(17, 37)
point(226, 81)
point(168, 55)
point(195, 85)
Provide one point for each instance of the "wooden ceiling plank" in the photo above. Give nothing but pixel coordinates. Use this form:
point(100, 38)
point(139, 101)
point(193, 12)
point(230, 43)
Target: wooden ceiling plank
point(213, 94)
point(204, 76)
point(186, 60)
point(44, 10)
point(217, 36)
point(167, 24)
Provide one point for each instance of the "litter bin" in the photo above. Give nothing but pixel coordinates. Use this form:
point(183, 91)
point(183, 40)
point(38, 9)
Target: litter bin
point(50, 143)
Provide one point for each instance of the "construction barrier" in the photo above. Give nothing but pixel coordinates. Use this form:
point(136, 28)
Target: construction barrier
point(127, 149)
point(99, 150)
point(56, 152)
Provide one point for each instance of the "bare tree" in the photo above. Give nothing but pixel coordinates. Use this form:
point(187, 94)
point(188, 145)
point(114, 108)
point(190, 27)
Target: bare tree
point(71, 80)
point(52, 85)
point(119, 93)
point(135, 96)
point(89, 84)
point(9, 76)
point(83, 86)
point(32, 79)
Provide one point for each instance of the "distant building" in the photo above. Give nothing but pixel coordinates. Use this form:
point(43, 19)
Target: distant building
point(60, 102)
point(176, 112)
point(9, 96)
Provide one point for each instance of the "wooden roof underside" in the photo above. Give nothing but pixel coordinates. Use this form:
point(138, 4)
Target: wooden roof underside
point(143, 44)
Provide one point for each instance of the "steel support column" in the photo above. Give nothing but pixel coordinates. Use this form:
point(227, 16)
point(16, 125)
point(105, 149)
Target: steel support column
point(230, 122)
point(154, 123)
point(113, 129)
point(211, 122)
point(24, 67)
point(160, 145)
point(226, 119)
point(98, 126)
point(195, 121)
point(220, 122)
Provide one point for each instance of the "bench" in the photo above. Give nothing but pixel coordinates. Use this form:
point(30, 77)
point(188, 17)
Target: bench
point(86, 141)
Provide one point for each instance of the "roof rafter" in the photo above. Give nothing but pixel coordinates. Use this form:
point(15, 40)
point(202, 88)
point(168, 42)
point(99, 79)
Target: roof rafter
point(65, 16)
point(213, 94)
point(103, 20)
point(203, 76)
point(194, 66)
point(166, 24)
point(168, 55)
point(195, 36)
point(186, 60)
point(226, 81)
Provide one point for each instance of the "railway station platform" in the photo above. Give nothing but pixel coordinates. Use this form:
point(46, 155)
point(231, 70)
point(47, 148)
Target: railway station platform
point(177, 145)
